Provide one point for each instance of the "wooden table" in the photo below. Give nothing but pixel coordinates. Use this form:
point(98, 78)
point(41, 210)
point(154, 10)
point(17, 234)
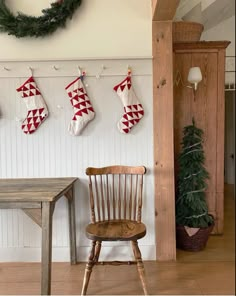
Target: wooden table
point(37, 198)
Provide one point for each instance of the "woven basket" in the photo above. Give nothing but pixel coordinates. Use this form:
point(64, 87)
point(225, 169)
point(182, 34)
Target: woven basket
point(197, 242)
point(187, 31)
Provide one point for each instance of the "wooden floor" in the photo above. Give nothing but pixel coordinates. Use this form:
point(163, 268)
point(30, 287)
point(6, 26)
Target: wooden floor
point(210, 272)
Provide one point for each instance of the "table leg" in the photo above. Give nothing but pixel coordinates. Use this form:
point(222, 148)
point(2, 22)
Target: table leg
point(47, 211)
point(72, 228)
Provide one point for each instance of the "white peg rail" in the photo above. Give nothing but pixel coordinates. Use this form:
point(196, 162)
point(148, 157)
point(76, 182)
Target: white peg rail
point(97, 68)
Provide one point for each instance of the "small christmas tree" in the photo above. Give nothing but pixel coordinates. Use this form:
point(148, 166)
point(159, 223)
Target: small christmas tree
point(191, 206)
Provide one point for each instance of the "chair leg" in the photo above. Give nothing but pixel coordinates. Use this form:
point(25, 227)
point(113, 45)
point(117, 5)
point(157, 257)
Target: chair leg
point(97, 251)
point(88, 268)
point(140, 266)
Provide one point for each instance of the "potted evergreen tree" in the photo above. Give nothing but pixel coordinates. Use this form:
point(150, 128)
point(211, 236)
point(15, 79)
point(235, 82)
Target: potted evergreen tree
point(194, 224)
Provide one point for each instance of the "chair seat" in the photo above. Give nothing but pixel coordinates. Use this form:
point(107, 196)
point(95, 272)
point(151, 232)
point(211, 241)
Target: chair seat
point(115, 230)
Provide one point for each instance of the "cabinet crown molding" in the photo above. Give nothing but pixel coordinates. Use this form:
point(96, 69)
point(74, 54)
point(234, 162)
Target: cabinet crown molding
point(200, 45)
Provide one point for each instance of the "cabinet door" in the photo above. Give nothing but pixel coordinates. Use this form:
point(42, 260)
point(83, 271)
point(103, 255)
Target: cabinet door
point(204, 110)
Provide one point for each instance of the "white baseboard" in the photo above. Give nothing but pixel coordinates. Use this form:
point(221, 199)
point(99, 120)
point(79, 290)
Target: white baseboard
point(122, 252)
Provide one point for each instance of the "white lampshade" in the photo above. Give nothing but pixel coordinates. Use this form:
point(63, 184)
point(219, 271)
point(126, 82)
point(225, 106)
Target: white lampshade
point(195, 76)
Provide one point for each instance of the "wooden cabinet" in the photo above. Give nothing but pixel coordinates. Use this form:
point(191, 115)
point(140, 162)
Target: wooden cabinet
point(208, 110)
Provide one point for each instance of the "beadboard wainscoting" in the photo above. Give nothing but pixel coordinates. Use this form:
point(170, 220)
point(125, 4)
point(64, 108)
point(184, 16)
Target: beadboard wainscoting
point(52, 152)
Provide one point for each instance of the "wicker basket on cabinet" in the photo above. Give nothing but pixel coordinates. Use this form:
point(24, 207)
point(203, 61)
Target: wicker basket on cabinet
point(187, 31)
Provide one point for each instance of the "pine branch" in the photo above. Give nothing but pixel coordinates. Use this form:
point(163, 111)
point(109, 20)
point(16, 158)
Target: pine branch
point(51, 19)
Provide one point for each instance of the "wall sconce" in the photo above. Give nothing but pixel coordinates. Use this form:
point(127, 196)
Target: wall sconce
point(194, 77)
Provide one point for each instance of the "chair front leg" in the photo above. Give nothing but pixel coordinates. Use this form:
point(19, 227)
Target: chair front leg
point(88, 268)
point(140, 266)
point(97, 251)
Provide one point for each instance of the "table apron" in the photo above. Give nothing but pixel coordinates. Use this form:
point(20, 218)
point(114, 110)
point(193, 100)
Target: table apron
point(20, 205)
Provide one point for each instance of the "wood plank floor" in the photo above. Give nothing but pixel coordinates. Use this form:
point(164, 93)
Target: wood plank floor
point(209, 272)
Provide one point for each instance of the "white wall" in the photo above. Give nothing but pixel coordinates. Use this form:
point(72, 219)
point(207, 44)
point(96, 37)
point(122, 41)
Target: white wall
point(99, 28)
point(223, 31)
point(52, 152)
point(186, 5)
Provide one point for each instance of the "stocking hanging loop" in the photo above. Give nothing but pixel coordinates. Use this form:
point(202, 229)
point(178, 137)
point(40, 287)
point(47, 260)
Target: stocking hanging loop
point(31, 71)
point(81, 73)
point(129, 71)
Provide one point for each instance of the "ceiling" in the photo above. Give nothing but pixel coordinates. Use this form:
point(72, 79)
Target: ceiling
point(208, 12)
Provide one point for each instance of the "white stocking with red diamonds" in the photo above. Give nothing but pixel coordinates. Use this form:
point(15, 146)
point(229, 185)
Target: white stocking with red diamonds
point(36, 106)
point(83, 110)
point(133, 110)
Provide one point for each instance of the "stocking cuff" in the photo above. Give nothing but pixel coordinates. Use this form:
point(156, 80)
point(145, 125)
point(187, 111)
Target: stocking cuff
point(69, 85)
point(29, 88)
point(20, 88)
point(126, 81)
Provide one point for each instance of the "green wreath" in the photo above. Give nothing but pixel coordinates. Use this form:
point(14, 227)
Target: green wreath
point(52, 18)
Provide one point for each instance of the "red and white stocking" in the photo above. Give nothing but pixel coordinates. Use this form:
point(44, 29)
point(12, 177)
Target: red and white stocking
point(83, 110)
point(133, 110)
point(36, 106)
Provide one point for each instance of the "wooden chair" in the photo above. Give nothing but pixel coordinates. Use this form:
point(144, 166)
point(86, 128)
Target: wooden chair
point(116, 212)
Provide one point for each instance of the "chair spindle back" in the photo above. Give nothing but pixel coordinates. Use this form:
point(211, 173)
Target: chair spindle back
point(116, 193)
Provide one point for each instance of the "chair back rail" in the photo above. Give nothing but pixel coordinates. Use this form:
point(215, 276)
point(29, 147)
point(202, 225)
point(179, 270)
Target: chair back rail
point(116, 193)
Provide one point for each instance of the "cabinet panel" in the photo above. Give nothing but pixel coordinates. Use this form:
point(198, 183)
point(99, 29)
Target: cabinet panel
point(182, 99)
point(205, 113)
point(203, 107)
